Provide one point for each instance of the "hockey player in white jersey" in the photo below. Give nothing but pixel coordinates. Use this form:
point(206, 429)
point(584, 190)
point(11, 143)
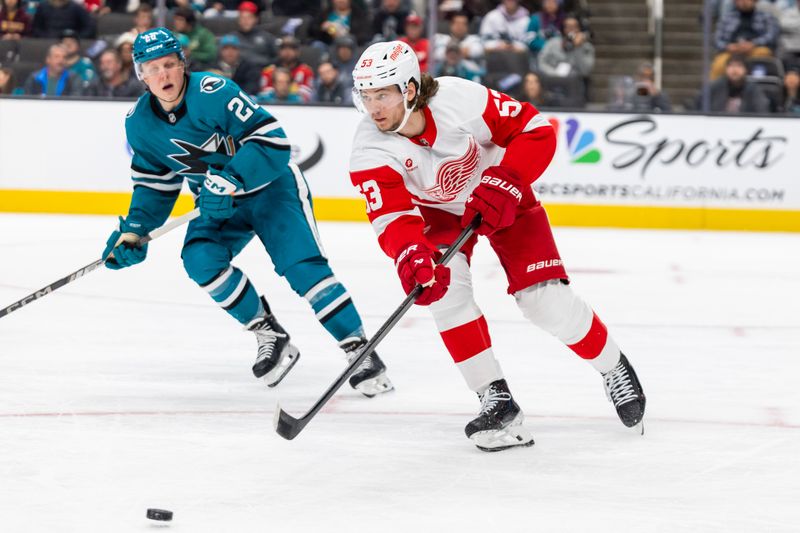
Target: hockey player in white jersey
point(429, 155)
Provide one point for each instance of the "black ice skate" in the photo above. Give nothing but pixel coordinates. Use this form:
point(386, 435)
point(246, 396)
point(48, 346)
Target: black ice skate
point(499, 423)
point(276, 355)
point(625, 392)
point(370, 377)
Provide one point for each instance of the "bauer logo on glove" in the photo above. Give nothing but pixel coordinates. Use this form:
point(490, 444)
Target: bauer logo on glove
point(402, 257)
point(503, 185)
point(496, 199)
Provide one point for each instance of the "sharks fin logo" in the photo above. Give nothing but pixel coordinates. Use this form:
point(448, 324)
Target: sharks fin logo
point(211, 84)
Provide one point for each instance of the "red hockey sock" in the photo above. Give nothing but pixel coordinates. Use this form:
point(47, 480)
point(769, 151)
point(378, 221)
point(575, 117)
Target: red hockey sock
point(593, 342)
point(467, 340)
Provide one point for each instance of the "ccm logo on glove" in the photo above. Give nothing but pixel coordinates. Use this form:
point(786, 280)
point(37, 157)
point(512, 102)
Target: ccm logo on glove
point(219, 185)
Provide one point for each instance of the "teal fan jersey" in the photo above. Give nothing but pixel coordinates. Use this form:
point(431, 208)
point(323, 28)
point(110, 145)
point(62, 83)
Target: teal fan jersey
point(216, 125)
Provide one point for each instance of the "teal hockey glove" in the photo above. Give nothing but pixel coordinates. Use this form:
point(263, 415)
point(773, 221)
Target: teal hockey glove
point(122, 247)
point(216, 196)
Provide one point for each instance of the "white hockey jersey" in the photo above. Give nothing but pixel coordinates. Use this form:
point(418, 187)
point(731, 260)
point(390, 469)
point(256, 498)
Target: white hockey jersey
point(468, 129)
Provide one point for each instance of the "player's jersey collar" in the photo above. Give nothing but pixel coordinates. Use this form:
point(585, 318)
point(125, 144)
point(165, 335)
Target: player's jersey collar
point(428, 136)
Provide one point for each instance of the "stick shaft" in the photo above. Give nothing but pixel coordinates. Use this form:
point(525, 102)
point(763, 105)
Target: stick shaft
point(69, 278)
point(288, 426)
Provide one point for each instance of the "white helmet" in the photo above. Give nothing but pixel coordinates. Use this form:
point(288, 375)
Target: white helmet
point(383, 65)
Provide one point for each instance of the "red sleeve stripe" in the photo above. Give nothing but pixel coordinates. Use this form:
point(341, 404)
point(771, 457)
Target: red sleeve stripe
point(383, 173)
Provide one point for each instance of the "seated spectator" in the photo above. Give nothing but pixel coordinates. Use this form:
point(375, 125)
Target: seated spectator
point(15, 22)
point(545, 25)
point(343, 55)
point(192, 65)
point(202, 44)
point(54, 79)
point(791, 90)
point(8, 82)
point(534, 92)
point(734, 93)
point(329, 88)
point(454, 64)
point(568, 54)
point(233, 65)
point(112, 81)
point(647, 98)
point(124, 46)
point(471, 45)
point(54, 16)
point(506, 27)
point(789, 20)
point(221, 8)
point(301, 74)
point(80, 65)
point(256, 45)
point(720, 8)
point(745, 31)
point(340, 19)
point(389, 22)
point(143, 20)
point(414, 38)
point(283, 90)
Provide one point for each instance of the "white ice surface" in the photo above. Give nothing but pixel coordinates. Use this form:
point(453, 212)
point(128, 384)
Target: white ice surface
point(128, 390)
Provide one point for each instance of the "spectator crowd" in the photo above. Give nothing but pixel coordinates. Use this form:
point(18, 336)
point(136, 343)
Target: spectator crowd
point(300, 51)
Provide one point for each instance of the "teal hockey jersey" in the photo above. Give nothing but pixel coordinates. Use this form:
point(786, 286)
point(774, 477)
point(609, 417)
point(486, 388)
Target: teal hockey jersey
point(216, 125)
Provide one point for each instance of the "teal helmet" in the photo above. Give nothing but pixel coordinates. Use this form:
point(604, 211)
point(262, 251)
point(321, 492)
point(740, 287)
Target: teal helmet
point(152, 44)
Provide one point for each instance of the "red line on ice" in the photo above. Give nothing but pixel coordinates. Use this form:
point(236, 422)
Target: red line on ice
point(773, 423)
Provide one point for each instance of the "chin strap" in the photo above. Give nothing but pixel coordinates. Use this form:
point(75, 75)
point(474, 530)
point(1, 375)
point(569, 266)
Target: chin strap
point(407, 113)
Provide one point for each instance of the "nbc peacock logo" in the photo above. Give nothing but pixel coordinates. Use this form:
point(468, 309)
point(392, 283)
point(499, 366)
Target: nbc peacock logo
point(581, 143)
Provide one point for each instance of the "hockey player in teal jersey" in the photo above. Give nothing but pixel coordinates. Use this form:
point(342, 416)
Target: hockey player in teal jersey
point(234, 156)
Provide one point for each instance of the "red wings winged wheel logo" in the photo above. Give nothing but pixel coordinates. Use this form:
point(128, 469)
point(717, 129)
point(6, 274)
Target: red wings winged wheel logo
point(453, 175)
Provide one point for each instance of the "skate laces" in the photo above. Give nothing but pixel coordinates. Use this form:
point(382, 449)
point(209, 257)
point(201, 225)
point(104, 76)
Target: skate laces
point(619, 386)
point(267, 337)
point(491, 397)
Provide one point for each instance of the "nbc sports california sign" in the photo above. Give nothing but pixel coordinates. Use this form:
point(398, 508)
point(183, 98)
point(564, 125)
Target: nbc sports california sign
point(674, 161)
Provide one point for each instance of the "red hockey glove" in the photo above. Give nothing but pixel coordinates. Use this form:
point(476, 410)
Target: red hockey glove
point(496, 199)
point(417, 264)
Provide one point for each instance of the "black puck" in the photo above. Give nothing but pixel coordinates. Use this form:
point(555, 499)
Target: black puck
point(159, 514)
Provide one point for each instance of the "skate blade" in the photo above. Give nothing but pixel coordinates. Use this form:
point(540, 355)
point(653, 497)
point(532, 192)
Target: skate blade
point(511, 436)
point(377, 385)
point(287, 362)
point(638, 428)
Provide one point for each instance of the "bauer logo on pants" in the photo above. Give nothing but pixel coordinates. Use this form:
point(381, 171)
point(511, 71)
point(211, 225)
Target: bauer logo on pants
point(544, 264)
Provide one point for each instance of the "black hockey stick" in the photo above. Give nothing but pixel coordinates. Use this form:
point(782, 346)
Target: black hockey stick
point(156, 233)
point(288, 426)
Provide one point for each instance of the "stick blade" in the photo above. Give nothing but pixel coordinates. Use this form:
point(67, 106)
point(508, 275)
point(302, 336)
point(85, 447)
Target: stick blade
point(286, 425)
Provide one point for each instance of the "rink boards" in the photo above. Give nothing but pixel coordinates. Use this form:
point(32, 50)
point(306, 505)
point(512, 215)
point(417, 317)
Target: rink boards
point(611, 170)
